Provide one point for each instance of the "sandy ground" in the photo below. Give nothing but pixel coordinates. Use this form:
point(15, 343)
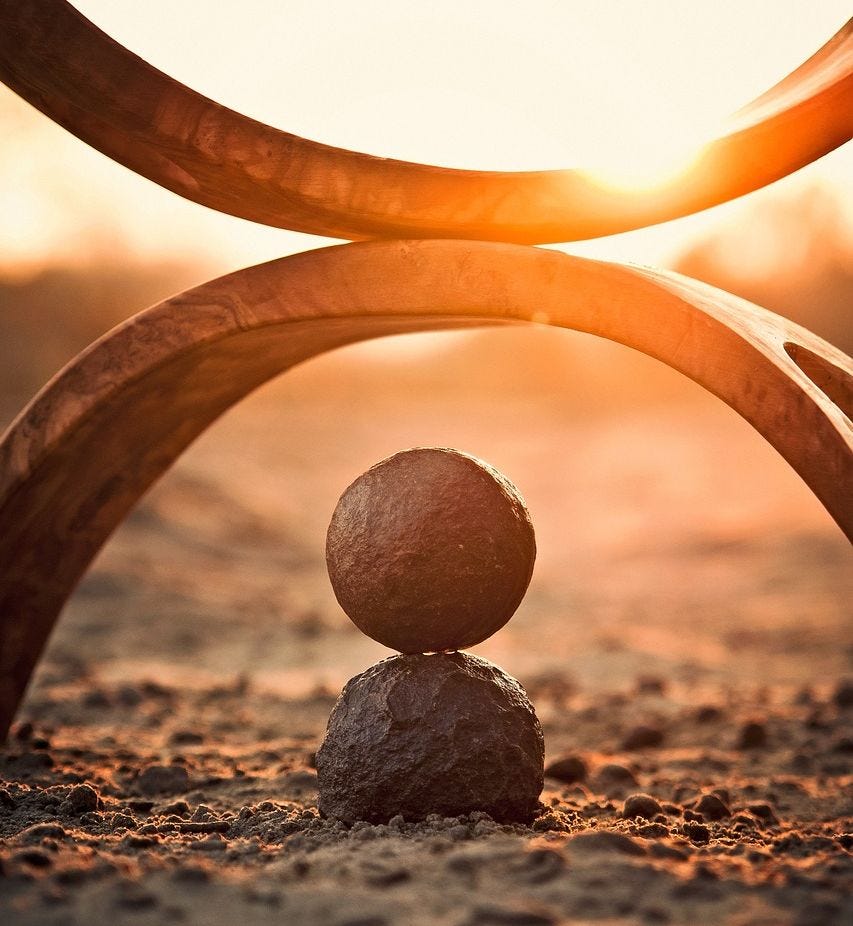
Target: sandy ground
point(686, 636)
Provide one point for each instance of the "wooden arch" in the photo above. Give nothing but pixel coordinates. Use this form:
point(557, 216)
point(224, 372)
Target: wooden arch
point(85, 449)
point(65, 66)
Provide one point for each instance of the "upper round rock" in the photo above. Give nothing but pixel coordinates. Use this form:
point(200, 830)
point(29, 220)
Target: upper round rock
point(430, 550)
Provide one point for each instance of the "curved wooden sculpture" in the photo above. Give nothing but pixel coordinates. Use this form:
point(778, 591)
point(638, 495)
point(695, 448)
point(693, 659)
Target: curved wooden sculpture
point(110, 423)
point(102, 93)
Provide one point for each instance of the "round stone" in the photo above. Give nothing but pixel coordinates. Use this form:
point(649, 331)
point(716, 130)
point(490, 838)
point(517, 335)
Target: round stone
point(414, 735)
point(430, 550)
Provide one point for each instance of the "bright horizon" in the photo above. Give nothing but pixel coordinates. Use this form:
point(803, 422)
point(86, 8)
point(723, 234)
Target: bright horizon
point(618, 87)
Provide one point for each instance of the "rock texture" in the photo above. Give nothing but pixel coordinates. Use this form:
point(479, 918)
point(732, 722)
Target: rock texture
point(445, 734)
point(430, 550)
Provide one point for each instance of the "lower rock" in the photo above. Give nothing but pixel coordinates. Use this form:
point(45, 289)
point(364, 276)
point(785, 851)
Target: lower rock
point(415, 735)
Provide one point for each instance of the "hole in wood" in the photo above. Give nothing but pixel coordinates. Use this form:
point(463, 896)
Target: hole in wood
point(830, 379)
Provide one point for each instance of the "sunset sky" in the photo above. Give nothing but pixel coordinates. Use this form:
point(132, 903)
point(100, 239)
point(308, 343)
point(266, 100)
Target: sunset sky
point(494, 85)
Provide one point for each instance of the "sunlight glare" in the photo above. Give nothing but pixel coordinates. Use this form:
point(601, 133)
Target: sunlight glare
point(644, 164)
point(627, 93)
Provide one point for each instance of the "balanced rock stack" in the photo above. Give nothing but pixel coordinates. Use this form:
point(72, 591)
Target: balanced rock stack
point(431, 551)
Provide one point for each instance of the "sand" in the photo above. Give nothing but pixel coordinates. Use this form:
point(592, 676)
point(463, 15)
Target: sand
point(686, 636)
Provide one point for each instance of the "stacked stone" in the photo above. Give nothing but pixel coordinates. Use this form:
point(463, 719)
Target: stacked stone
point(428, 552)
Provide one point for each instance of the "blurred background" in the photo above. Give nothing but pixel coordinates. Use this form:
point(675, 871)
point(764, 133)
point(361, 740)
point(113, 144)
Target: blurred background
point(672, 539)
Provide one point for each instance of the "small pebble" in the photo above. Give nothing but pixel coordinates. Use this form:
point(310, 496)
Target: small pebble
point(82, 799)
point(568, 769)
point(641, 805)
point(179, 808)
point(33, 835)
point(843, 694)
point(186, 738)
point(712, 807)
point(128, 696)
point(192, 873)
point(643, 737)
point(801, 763)
point(753, 735)
point(380, 876)
point(543, 865)
point(656, 915)
point(33, 857)
point(763, 812)
point(97, 698)
point(121, 821)
point(23, 731)
point(613, 779)
point(698, 832)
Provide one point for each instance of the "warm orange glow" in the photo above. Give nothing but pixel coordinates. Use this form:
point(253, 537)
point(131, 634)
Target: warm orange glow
point(651, 167)
point(627, 90)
